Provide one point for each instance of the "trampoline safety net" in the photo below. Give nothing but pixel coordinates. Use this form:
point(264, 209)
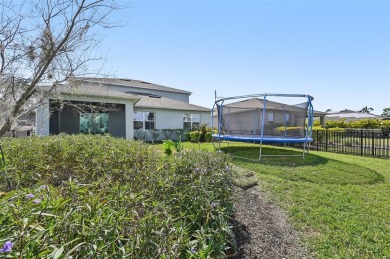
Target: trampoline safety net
point(250, 117)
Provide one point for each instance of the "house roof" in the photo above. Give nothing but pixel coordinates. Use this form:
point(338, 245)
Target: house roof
point(143, 101)
point(357, 115)
point(167, 103)
point(259, 104)
point(132, 83)
point(342, 111)
point(92, 90)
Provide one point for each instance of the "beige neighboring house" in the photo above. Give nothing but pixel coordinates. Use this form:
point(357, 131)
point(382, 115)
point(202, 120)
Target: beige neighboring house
point(237, 114)
point(350, 115)
point(123, 108)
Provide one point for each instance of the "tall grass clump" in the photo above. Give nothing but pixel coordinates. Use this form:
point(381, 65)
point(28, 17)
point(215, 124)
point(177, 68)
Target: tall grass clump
point(97, 196)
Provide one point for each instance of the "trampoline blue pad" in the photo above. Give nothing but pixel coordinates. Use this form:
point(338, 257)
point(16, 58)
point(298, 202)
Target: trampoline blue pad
point(265, 139)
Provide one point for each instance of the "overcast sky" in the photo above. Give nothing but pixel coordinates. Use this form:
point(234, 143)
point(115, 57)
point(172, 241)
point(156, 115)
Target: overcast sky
point(336, 51)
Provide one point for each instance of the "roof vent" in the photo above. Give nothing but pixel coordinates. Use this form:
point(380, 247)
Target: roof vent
point(127, 80)
point(142, 82)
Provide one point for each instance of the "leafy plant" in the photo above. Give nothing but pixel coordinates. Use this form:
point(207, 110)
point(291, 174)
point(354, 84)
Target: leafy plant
point(168, 144)
point(195, 136)
point(168, 133)
point(155, 133)
point(141, 134)
point(101, 197)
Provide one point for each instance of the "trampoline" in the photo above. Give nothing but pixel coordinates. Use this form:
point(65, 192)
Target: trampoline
point(259, 118)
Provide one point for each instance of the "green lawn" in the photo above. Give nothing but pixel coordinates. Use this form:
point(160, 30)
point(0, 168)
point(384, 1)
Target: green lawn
point(341, 203)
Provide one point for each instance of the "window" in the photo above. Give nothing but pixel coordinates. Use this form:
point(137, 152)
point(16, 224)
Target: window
point(191, 121)
point(270, 116)
point(94, 123)
point(144, 120)
point(286, 117)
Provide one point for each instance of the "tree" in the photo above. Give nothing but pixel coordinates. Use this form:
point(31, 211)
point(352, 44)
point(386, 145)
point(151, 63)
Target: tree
point(45, 43)
point(386, 112)
point(366, 109)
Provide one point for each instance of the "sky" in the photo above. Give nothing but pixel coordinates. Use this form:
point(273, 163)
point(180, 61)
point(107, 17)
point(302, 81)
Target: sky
point(336, 51)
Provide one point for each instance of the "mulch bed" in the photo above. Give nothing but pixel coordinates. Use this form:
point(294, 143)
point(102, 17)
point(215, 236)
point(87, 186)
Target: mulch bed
point(262, 229)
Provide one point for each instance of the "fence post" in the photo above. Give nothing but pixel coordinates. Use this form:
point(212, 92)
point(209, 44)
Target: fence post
point(372, 143)
point(317, 140)
point(361, 142)
point(326, 140)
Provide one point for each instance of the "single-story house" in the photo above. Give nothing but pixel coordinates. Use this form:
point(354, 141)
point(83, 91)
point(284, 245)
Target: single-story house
point(350, 115)
point(245, 117)
point(119, 107)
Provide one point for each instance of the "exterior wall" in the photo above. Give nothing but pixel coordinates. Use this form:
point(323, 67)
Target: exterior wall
point(121, 122)
point(42, 119)
point(183, 97)
point(173, 119)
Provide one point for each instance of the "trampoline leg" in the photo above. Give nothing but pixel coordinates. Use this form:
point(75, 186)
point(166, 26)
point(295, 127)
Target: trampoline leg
point(261, 143)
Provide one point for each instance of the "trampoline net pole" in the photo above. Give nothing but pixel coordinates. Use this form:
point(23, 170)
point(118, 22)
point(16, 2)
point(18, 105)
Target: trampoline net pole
point(262, 118)
point(262, 125)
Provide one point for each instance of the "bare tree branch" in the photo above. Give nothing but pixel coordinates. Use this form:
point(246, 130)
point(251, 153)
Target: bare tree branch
point(45, 43)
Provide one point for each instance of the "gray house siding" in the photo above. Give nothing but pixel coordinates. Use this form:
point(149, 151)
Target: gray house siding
point(182, 97)
point(173, 119)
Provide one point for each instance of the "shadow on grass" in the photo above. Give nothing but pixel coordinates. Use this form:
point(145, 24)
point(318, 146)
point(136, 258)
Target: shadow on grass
point(312, 169)
point(280, 157)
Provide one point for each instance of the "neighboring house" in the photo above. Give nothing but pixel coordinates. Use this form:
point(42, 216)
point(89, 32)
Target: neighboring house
point(236, 116)
point(350, 115)
point(119, 107)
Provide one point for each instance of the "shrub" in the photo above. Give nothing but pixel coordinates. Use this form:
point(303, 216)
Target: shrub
point(82, 157)
point(195, 136)
point(100, 197)
point(366, 124)
point(290, 131)
point(385, 128)
point(209, 136)
point(319, 133)
point(169, 133)
point(154, 133)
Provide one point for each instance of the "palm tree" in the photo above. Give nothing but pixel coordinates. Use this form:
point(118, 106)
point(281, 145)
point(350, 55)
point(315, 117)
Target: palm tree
point(366, 109)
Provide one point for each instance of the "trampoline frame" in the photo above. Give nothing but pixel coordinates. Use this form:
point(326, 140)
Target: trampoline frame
point(306, 140)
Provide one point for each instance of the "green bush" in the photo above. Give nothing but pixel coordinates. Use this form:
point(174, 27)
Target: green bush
point(366, 124)
point(360, 124)
point(209, 136)
point(82, 157)
point(319, 133)
point(99, 197)
point(290, 131)
point(195, 136)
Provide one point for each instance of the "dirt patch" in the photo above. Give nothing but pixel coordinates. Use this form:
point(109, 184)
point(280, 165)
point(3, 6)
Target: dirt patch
point(262, 229)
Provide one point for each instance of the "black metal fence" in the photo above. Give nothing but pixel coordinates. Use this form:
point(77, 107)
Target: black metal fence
point(371, 143)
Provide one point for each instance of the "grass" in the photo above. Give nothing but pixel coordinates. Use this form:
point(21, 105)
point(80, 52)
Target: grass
point(341, 203)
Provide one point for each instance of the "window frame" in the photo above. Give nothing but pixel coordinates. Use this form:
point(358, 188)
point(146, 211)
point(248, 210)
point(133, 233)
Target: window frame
point(144, 120)
point(271, 114)
point(287, 117)
point(191, 121)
